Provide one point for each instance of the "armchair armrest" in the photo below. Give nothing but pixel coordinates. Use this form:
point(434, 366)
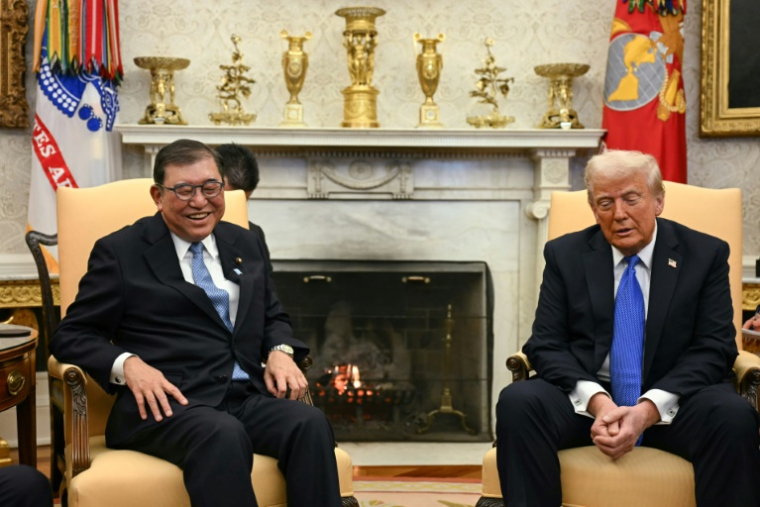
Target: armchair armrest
point(747, 376)
point(76, 434)
point(519, 365)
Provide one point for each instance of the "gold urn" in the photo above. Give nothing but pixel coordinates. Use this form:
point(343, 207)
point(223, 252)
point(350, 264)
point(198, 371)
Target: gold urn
point(360, 40)
point(295, 62)
point(429, 65)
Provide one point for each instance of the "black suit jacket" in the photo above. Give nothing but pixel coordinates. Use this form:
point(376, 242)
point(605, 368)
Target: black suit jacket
point(260, 233)
point(689, 341)
point(135, 299)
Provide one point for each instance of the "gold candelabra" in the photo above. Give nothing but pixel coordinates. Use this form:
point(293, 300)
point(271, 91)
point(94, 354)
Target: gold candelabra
point(429, 65)
point(162, 109)
point(487, 88)
point(360, 40)
point(447, 406)
point(295, 62)
point(561, 113)
point(234, 84)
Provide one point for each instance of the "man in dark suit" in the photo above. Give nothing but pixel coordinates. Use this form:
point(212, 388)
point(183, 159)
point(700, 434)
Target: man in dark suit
point(633, 336)
point(241, 172)
point(23, 486)
point(177, 316)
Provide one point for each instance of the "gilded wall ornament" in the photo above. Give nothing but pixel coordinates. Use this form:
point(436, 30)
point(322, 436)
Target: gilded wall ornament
point(14, 110)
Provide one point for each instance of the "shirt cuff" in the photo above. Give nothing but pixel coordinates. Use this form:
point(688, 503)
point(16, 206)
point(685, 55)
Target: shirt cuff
point(666, 403)
point(582, 394)
point(117, 370)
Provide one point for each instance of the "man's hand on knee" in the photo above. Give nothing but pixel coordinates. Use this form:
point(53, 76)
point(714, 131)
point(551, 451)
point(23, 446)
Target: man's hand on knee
point(281, 374)
point(149, 385)
point(632, 422)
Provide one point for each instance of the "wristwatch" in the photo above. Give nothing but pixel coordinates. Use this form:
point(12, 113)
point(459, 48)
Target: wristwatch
point(283, 348)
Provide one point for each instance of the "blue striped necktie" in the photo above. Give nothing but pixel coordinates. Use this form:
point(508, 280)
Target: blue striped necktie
point(627, 351)
point(219, 297)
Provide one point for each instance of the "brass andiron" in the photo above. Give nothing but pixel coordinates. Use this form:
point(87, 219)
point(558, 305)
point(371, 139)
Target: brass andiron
point(429, 65)
point(360, 39)
point(295, 62)
point(561, 113)
point(160, 111)
point(234, 84)
point(446, 405)
point(487, 89)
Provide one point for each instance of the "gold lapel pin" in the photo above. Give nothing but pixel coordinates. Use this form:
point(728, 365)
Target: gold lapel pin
point(238, 260)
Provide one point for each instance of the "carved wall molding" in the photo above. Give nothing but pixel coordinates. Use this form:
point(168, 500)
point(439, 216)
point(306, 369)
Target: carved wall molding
point(14, 110)
point(25, 293)
point(360, 177)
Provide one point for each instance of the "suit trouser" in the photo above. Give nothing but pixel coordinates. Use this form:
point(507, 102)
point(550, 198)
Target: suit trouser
point(23, 486)
point(716, 430)
point(215, 447)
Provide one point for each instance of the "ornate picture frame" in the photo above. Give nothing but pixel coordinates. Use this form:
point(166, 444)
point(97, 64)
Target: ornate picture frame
point(730, 97)
point(14, 25)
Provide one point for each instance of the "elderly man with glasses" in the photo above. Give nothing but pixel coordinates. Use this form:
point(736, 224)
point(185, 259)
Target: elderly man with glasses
point(176, 316)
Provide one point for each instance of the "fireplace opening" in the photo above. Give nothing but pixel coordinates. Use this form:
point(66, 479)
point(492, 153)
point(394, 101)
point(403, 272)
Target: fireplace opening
point(401, 350)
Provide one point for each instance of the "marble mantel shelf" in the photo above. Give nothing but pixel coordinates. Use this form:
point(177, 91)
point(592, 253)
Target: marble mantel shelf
point(506, 139)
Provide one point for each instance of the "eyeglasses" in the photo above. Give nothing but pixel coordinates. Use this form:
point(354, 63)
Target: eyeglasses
point(186, 191)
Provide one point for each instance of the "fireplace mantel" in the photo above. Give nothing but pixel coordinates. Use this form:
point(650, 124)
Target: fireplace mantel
point(507, 139)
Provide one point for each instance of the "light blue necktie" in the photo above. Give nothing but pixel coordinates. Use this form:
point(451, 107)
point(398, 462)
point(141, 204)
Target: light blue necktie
point(627, 351)
point(219, 297)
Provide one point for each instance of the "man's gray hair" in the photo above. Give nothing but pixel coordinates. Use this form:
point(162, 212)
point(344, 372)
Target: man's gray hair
point(622, 163)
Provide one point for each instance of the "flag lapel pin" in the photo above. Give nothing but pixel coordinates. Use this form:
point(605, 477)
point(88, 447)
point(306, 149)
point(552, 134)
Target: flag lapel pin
point(672, 263)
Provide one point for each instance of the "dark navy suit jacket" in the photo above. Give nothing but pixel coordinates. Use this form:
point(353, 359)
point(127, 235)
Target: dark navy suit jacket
point(689, 341)
point(135, 299)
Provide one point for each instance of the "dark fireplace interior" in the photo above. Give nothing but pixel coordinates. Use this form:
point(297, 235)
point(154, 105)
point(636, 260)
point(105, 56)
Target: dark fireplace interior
point(392, 342)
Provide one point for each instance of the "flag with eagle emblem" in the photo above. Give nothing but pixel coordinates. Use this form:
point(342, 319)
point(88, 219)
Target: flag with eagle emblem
point(644, 103)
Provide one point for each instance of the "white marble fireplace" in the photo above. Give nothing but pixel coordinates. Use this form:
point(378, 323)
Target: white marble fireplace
point(416, 195)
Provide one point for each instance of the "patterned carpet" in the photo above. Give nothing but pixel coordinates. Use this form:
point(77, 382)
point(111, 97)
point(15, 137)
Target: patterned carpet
point(416, 493)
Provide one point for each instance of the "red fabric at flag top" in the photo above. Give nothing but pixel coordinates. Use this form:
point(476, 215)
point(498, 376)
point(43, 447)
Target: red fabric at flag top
point(644, 103)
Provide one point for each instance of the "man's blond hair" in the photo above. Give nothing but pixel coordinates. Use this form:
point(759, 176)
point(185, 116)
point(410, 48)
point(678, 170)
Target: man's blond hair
point(621, 163)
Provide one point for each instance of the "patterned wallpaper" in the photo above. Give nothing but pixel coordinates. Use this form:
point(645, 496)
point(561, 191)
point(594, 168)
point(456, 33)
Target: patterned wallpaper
point(526, 34)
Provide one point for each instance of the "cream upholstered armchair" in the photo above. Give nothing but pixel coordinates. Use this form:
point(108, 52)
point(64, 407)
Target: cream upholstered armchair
point(644, 476)
point(94, 475)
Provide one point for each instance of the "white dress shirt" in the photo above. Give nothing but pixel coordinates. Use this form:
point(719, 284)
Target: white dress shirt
point(666, 403)
point(185, 257)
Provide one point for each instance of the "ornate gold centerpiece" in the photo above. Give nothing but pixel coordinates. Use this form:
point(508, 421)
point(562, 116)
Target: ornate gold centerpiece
point(561, 113)
point(360, 39)
point(295, 62)
point(429, 65)
point(161, 111)
point(234, 84)
point(487, 88)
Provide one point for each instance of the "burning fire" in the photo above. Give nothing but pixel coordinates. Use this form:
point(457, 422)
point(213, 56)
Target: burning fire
point(345, 376)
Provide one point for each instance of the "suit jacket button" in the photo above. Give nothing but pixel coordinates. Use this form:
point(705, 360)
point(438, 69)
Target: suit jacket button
point(221, 379)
